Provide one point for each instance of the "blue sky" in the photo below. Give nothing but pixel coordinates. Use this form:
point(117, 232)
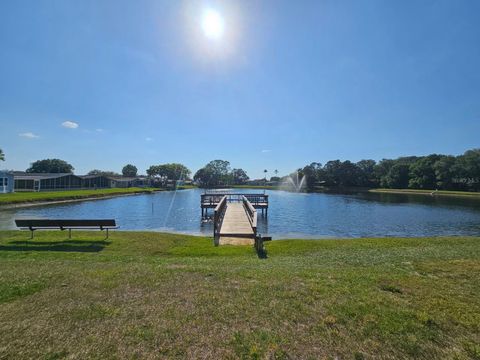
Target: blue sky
point(287, 83)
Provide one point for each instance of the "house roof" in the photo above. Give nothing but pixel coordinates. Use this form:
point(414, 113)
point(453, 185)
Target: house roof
point(93, 176)
point(122, 178)
point(20, 175)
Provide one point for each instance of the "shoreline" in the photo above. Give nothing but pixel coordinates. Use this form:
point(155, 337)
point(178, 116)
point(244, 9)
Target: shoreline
point(291, 238)
point(275, 237)
point(434, 193)
point(72, 200)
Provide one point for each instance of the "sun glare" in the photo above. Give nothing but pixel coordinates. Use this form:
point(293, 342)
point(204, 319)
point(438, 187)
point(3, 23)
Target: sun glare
point(212, 24)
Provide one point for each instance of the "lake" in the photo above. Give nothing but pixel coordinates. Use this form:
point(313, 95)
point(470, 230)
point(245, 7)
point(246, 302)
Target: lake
point(290, 215)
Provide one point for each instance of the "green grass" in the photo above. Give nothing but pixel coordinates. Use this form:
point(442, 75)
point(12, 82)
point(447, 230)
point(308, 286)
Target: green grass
point(153, 295)
point(428, 192)
point(187, 187)
point(23, 197)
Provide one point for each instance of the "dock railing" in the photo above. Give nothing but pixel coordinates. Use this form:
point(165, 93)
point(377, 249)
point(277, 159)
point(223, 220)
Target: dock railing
point(252, 214)
point(212, 199)
point(218, 215)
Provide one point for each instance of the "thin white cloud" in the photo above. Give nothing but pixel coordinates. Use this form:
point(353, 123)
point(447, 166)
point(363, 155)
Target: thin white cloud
point(70, 124)
point(148, 139)
point(266, 151)
point(99, 130)
point(29, 135)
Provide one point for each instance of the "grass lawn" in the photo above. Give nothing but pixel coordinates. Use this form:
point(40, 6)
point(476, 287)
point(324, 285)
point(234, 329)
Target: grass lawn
point(428, 192)
point(149, 295)
point(22, 197)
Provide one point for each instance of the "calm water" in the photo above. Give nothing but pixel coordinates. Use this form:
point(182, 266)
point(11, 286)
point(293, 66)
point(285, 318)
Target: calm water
point(290, 214)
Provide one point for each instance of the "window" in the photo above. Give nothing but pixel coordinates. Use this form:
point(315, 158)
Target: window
point(1, 181)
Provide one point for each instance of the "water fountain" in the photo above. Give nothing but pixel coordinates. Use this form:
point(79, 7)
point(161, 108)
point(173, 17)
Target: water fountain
point(294, 183)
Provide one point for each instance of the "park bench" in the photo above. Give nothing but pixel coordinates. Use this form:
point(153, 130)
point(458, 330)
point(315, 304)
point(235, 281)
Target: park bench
point(47, 224)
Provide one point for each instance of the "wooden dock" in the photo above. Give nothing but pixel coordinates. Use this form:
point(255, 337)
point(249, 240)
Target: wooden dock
point(235, 216)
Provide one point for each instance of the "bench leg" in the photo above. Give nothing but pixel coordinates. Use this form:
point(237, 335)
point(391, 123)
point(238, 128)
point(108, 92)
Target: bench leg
point(107, 234)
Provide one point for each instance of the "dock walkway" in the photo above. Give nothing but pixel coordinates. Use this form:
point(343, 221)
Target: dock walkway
point(236, 228)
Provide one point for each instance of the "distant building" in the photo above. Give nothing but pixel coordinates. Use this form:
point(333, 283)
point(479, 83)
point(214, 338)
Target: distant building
point(95, 181)
point(6, 182)
point(23, 181)
point(125, 182)
point(39, 181)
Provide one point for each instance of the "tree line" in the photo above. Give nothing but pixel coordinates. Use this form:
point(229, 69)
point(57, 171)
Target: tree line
point(442, 172)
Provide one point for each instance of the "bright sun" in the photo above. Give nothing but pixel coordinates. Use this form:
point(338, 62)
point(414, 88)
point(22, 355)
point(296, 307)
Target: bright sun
point(212, 24)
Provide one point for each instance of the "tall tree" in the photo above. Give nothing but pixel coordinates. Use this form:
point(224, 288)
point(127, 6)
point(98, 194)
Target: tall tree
point(239, 176)
point(397, 177)
point(216, 172)
point(381, 170)
point(444, 169)
point(206, 177)
point(367, 172)
point(129, 170)
point(171, 171)
point(313, 173)
point(342, 173)
point(422, 174)
point(50, 166)
point(468, 169)
point(2, 155)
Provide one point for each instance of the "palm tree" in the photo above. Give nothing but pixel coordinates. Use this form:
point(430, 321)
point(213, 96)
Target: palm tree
point(276, 172)
point(2, 155)
point(265, 171)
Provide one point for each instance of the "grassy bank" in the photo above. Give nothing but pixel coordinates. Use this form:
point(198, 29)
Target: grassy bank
point(428, 192)
point(187, 187)
point(146, 295)
point(25, 197)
